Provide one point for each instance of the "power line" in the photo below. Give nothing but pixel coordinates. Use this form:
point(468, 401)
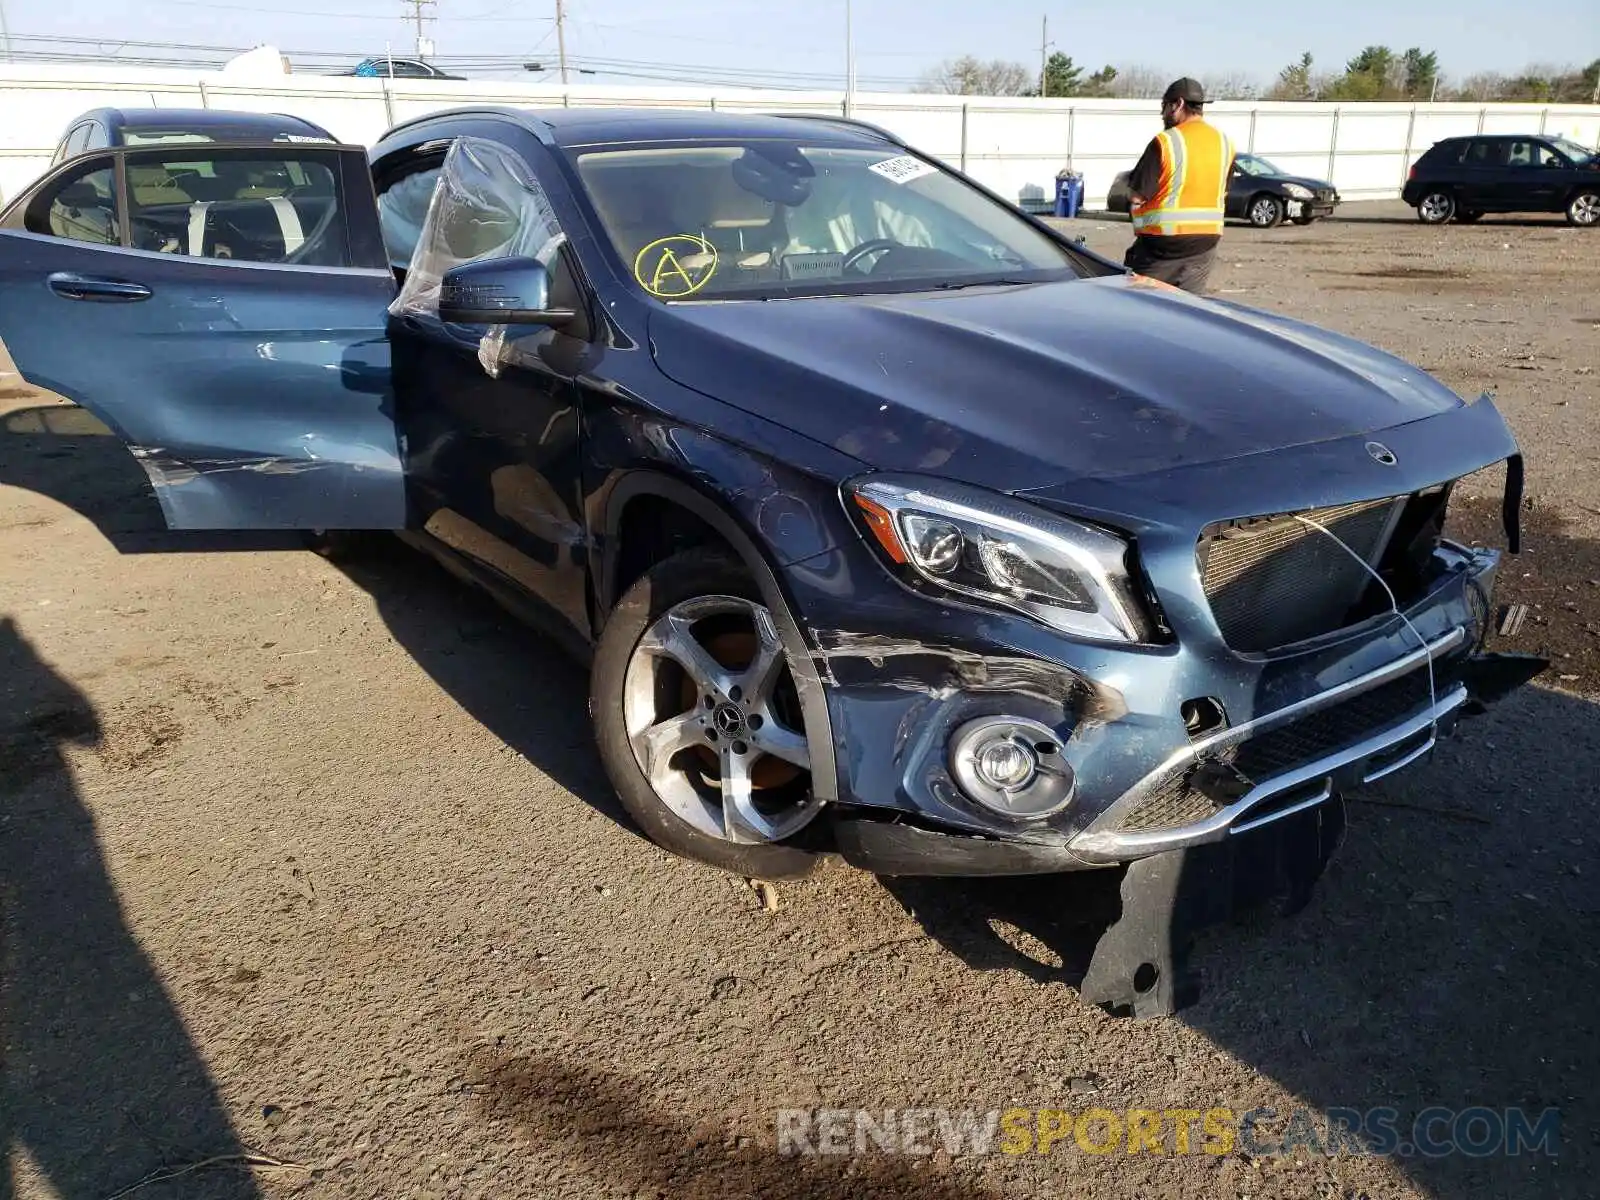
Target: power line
point(66, 48)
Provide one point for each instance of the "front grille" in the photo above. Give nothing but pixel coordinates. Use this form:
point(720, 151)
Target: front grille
point(1180, 801)
point(1274, 581)
point(1325, 195)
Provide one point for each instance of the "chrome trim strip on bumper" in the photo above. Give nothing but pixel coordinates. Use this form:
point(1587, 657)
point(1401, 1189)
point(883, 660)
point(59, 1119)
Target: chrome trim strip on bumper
point(1187, 756)
point(1105, 846)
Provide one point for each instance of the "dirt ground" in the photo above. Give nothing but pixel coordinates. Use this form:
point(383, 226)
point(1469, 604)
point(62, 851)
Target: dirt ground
point(318, 865)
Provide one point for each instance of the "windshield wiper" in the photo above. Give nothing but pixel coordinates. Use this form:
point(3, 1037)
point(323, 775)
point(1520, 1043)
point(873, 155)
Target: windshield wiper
point(953, 286)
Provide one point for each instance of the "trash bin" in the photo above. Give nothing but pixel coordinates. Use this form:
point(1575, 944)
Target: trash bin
point(1069, 192)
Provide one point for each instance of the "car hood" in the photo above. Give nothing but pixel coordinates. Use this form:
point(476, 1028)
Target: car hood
point(1302, 180)
point(1025, 387)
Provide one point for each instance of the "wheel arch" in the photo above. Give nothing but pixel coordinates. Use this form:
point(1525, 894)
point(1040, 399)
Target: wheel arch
point(663, 496)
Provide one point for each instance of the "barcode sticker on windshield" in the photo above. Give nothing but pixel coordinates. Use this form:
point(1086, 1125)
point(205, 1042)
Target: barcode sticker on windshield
point(903, 169)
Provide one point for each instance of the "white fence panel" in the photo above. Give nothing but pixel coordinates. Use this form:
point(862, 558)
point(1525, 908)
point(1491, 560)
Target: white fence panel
point(1014, 146)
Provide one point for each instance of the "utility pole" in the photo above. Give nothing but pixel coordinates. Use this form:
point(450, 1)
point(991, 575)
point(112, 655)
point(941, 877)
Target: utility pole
point(1044, 57)
point(849, 62)
point(561, 39)
point(417, 8)
point(5, 31)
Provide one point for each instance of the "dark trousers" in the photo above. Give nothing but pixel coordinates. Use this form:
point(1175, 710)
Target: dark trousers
point(1192, 272)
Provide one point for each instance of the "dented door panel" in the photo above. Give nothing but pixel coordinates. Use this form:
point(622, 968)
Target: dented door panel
point(255, 396)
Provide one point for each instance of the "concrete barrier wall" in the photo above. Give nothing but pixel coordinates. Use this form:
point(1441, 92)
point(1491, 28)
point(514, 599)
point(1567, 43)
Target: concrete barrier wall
point(1013, 146)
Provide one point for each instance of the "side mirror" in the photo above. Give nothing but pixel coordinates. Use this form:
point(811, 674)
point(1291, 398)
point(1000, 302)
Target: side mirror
point(500, 291)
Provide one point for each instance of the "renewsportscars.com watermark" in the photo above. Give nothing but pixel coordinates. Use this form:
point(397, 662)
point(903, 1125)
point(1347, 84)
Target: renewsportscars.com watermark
point(1258, 1132)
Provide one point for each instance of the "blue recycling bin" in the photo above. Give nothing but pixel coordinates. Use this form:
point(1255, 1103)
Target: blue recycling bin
point(1069, 193)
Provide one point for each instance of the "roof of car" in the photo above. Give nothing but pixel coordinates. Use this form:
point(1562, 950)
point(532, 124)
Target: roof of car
point(569, 127)
point(205, 120)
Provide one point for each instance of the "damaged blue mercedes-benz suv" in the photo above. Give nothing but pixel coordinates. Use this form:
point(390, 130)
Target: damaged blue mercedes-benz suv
point(896, 524)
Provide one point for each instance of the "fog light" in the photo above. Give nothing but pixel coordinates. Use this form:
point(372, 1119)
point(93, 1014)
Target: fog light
point(1006, 765)
point(1012, 766)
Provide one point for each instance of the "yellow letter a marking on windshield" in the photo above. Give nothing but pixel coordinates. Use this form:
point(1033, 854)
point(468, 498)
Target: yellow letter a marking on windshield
point(668, 266)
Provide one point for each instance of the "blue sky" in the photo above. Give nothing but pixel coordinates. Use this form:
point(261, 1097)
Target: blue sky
point(803, 40)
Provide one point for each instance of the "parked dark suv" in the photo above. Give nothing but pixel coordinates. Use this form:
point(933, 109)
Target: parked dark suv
point(894, 523)
point(1463, 178)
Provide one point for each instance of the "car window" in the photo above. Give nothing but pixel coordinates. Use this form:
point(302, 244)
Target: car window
point(488, 205)
point(402, 209)
point(769, 218)
point(1486, 152)
point(1250, 164)
point(1573, 151)
point(82, 207)
point(1546, 156)
point(250, 207)
point(1522, 154)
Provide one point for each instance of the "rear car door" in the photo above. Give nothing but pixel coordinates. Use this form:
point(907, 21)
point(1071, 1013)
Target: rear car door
point(1482, 170)
point(223, 310)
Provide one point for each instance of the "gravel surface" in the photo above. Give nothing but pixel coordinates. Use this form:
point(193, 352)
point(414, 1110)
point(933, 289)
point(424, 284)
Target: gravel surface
point(318, 865)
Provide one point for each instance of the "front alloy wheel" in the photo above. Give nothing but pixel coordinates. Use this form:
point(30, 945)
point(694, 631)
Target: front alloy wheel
point(1584, 210)
point(699, 719)
point(1266, 212)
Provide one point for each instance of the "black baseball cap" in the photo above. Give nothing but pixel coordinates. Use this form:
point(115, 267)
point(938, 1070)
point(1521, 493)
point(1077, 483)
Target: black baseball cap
point(1185, 89)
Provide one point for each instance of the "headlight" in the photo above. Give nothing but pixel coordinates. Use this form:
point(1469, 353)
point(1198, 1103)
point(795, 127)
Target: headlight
point(938, 535)
point(1298, 192)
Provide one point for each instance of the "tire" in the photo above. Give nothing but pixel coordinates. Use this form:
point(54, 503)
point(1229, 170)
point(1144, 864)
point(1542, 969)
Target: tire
point(640, 685)
point(1436, 208)
point(1264, 211)
point(1583, 210)
point(1468, 218)
point(1302, 220)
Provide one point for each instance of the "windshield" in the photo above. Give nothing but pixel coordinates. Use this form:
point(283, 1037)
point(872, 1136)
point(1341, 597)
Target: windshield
point(1250, 164)
point(1572, 150)
point(764, 219)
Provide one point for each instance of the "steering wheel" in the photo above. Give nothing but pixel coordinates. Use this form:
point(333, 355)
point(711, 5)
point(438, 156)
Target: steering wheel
point(871, 246)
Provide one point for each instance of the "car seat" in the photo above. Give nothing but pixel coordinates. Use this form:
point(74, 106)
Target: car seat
point(745, 229)
point(81, 214)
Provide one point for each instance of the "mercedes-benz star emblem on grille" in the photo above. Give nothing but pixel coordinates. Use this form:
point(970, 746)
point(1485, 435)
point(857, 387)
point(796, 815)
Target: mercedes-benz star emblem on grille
point(1381, 453)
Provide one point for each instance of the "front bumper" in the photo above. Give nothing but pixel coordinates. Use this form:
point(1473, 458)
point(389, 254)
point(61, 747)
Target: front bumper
point(1313, 209)
point(1349, 715)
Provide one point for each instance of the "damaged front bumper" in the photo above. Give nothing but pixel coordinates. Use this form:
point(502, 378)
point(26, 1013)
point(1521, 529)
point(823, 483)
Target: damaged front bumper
point(1363, 708)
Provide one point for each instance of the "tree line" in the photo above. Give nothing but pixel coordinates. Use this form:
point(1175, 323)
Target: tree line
point(1376, 73)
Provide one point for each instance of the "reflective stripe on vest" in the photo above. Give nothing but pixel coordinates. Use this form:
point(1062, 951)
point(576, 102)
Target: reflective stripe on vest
point(1195, 160)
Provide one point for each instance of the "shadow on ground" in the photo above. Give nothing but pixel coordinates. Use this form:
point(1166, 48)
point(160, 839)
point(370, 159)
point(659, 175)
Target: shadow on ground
point(100, 1086)
point(606, 1130)
point(64, 452)
point(515, 682)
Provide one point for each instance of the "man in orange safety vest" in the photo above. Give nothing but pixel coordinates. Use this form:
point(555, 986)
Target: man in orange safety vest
point(1179, 188)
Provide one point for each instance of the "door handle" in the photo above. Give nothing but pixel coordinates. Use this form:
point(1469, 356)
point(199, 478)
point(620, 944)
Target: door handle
point(73, 286)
